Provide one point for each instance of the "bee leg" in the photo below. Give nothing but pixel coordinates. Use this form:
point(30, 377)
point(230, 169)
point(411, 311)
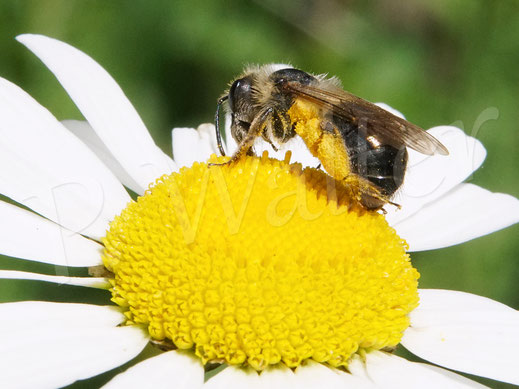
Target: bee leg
point(371, 194)
point(273, 146)
point(256, 128)
point(368, 194)
point(376, 200)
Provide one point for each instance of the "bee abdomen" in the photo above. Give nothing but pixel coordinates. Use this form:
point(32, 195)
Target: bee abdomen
point(386, 168)
point(382, 165)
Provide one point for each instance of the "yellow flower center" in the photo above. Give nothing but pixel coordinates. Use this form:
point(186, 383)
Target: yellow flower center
point(260, 262)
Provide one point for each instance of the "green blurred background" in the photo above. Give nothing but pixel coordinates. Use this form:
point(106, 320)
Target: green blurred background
point(438, 62)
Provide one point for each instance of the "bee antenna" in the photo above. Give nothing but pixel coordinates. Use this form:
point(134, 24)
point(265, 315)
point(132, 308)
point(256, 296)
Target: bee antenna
point(217, 124)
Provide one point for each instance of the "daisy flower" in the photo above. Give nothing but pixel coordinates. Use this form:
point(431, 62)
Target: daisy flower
point(256, 269)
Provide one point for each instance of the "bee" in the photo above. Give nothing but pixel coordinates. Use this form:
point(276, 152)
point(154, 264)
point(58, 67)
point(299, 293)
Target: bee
point(358, 143)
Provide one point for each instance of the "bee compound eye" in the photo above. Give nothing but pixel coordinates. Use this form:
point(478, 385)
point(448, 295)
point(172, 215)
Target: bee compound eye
point(240, 92)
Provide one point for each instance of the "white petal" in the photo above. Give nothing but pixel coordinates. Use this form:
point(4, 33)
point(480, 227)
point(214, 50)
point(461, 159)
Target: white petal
point(464, 213)
point(300, 153)
point(277, 376)
point(54, 344)
point(172, 369)
point(429, 177)
point(207, 134)
point(24, 234)
point(91, 282)
point(86, 133)
point(313, 375)
point(53, 358)
point(230, 143)
point(26, 315)
point(185, 146)
point(278, 66)
point(389, 371)
point(465, 332)
point(105, 106)
point(190, 145)
point(46, 168)
point(234, 378)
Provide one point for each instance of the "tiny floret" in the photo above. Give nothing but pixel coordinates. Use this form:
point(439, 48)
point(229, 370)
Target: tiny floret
point(260, 262)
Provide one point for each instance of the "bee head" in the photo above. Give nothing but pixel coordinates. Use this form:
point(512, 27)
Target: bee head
point(240, 95)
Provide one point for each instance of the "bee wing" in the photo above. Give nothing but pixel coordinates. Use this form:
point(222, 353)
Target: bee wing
point(376, 121)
